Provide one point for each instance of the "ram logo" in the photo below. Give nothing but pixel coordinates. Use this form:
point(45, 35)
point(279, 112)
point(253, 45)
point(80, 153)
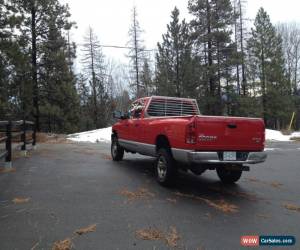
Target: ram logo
point(256, 139)
point(208, 137)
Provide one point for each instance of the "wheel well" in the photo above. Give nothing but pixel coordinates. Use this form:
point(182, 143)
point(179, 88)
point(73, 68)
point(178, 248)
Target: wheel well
point(114, 134)
point(162, 142)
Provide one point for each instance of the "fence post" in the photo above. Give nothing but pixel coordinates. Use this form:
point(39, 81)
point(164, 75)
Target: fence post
point(8, 146)
point(23, 137)
point(34, 136)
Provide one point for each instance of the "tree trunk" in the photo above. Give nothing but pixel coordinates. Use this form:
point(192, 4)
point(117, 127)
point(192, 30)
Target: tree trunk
point(177, 74)
point(236, 45)
point(264, 98)
point(34, 67)
point(244, 80)
point(93, 80)
point(136, 56)
point(212, 108)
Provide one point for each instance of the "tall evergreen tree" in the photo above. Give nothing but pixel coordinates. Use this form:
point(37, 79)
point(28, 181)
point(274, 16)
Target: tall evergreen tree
point(136, 54)
point(265, 48)
point(11, 58)
point(94, 70)
point(147, 79)
point(290, 33)
point(34, 31)
point(4, 72)
point(174, 60)
point(212, 30)
point(58, 98)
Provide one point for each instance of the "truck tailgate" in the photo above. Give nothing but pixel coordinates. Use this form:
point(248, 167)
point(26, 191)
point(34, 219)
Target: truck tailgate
point(230, 133)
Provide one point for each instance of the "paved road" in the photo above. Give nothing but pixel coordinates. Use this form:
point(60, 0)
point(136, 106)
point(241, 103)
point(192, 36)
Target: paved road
point(71, 186)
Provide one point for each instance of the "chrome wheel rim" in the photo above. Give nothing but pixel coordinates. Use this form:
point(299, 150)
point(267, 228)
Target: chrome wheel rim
point(162, 168)
point(114, 149)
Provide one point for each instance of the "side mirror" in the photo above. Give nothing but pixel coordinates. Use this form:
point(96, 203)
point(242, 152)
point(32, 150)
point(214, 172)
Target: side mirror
point(120, 115)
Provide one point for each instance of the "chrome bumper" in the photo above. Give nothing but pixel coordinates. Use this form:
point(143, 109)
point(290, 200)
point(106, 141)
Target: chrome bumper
point(187, 156)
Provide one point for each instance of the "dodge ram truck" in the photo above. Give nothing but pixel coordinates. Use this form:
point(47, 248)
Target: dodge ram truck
point(174, 131)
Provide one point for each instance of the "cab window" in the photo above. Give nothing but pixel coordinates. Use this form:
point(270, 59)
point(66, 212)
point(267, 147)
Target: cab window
point(136, 109)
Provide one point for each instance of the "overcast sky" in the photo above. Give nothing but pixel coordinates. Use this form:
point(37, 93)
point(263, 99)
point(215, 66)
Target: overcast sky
point(111, 18)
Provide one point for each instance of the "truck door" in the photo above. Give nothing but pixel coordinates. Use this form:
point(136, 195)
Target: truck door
point(137, 129)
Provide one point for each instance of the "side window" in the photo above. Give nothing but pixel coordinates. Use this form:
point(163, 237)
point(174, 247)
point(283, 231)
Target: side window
point(136, 109)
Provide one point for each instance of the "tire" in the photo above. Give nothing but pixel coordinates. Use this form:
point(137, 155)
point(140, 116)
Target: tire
point(117, 152)
point(165, 168)
point(228, 176)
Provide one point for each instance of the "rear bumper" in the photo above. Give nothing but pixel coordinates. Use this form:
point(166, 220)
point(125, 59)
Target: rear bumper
point(187, 156)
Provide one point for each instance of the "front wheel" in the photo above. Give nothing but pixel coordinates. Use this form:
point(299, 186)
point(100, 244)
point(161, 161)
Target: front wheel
point(117, 152)
point(165, 167)
point(229, 176)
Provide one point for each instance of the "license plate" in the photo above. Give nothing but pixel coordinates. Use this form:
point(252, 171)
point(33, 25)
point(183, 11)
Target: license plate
point(229, 156)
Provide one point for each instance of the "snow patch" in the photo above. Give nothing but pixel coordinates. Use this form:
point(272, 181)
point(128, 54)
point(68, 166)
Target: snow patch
point(274, 135)
point(94, 136)
point(104, 135)
point(295, 135)
point(270, 149)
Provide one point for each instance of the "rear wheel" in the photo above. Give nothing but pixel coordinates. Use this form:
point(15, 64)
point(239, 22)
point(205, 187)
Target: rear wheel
point(229, 176)
point(165, 167)
point(117, 152)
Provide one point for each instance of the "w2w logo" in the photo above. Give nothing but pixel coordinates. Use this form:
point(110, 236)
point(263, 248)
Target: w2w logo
point(250, 241)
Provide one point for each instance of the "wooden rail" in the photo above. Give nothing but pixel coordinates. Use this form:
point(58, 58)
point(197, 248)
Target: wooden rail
point(14, 130)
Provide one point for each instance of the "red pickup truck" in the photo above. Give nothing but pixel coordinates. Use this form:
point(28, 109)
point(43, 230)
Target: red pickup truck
point(174, 131)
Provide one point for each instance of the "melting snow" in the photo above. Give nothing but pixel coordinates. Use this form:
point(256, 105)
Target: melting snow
point(94, 136)
point(274, 135)
point(104, 135)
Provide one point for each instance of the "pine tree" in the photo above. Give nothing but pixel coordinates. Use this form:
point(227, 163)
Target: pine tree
point(212, 30)
point(34, 30)
point(94, 70)
point(11, 58)
point(290, 33)
point(265, 47)
point(136, 54)
point(174, 60)
point(146, 79)
point(83, 90)
point(4, 61)
point(58, 97)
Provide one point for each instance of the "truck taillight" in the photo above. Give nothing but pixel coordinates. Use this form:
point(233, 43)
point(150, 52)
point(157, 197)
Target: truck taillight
point(264, 136)
point(191, 135)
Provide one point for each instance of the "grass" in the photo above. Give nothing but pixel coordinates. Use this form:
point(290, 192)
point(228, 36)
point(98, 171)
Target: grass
point(292, 207)
point(170, 238)
point(67, 244)
point(247, 196)
point(85, 230)
point(18, 200)
point(52, 138)
point(7, 170)
point(295, 139)
point(63, 245)
point(141, 193)
point(276, 184)
point(220, 205)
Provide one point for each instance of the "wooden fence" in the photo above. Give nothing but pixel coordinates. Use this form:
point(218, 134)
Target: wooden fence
point(14, 135)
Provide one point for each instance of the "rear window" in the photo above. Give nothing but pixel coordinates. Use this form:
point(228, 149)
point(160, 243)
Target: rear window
point(172, 107)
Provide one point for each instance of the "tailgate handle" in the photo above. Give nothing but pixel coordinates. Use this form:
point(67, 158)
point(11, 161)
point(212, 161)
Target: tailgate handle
point(232, 125)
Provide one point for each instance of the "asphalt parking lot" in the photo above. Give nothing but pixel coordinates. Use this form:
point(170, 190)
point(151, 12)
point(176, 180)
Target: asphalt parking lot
point(60, 188)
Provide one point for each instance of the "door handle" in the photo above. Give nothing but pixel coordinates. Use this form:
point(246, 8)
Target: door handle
point(232, 126)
